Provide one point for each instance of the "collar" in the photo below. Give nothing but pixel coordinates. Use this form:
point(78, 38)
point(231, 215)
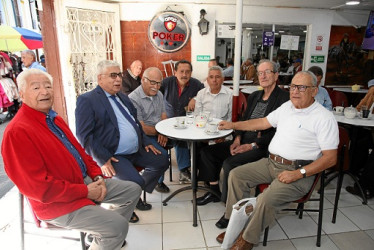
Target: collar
point(35, 114)
point(52, 114)
point(143, 95)
point(131, 74)
point(306, 110)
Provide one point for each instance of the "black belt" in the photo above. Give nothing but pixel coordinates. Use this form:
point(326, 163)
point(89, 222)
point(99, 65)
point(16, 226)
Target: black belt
point(297, 163)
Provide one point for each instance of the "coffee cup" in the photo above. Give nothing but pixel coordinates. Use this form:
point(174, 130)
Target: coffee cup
point(181, 122)
point(365, 111)
point(339, 109)
point(212, 127)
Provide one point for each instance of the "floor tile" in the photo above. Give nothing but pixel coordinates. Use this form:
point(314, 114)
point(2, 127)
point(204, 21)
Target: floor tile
point(211, 211)
point(151, 216)
point(370, 233)
point(345, 199)
point(211, 232)
point(342, 224)
point(151, 232)
point(182, 235)
point(275, 233)
point(276, 245)
point(362, 216)
point(352, 240)
point(295, 227)
point(178, 211)
point(309, 243)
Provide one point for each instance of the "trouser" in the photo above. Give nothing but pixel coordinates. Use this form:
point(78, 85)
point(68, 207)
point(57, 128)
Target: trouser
point(162, 150)
point(109, 228)
point(275, 197)
point(215, 157)
point(154, 166)
point(182, 153)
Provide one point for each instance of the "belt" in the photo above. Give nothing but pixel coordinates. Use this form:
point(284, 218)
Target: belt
point(281, 160)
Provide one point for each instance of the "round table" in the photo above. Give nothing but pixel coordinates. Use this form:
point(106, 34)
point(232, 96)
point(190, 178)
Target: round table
point(349, 90)
point(191, 134)
point(357, 121)
point(241, 82)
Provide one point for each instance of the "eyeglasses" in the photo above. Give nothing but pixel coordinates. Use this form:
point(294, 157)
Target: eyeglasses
point(153, 82)
point(267, 72)
point(301, 88)
point(114, 75)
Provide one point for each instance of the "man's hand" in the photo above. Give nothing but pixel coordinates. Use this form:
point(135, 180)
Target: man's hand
point(97, 190)
point(233, 146)
point(153, 149)
point(289, 176)
point(219, 140)
point(240, 149)
point(162, 140)
point(107, 169)
point(225, 125)
point(191, 105)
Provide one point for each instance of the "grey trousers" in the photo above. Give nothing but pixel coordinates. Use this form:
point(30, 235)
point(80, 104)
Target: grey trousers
point(109, 228)
point(275, 197)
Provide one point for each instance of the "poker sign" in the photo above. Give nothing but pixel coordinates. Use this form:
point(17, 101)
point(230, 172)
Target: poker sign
point(169, 31)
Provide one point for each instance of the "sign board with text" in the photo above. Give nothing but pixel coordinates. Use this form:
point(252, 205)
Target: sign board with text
point(268, 38)
point(289, 42)
point(225, 31)
point(202, 58)
point(317, 59)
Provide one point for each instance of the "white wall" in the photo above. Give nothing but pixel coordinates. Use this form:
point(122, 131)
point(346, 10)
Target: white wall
point(319, 23)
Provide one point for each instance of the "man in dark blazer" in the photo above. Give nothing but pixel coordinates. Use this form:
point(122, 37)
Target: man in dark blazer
point(247, 146)
point(107, 127)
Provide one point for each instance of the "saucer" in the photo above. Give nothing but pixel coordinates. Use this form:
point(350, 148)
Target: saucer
point(338, 113)
point(177, 127)
point(211, 133)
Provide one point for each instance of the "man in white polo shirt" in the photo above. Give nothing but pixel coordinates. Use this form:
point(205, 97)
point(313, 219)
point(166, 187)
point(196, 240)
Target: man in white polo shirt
point(304, 144)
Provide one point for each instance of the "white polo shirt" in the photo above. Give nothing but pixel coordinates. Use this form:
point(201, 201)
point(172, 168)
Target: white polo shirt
point(303, 133)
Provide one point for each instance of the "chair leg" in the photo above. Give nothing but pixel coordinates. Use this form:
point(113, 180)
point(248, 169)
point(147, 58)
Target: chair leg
point(144, 197)
point(320, 212)
point(83, 241)
point(337, 196)
point(21, 218)
point(364, 200)
point(266, 232)
point(170, 166)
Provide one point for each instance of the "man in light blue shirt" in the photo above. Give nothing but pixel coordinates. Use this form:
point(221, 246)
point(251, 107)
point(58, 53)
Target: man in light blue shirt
point(322, 96)
point(28, 59)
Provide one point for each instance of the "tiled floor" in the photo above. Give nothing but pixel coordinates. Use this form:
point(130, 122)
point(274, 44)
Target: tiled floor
point(170, 227)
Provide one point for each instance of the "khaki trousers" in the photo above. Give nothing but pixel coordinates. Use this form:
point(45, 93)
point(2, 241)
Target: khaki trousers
point(275, 197)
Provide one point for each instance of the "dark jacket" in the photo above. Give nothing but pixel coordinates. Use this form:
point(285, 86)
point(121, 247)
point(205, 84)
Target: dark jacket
point(276, 99)
point(174, 104)
point(97, 127)
point(129, 84)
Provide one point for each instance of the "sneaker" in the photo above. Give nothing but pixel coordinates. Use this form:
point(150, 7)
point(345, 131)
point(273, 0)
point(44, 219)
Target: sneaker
point(162, 188)
point(184, 176)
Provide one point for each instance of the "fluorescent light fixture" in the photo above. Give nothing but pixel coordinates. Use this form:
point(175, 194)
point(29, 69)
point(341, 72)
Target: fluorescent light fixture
point(352, 2)
point(276, 33)
point(248, 28)
point(304, 31)
point(281, 31)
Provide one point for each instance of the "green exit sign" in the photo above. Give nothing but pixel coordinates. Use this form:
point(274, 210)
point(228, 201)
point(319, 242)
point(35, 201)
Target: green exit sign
point(317, 59)
point(203, 58)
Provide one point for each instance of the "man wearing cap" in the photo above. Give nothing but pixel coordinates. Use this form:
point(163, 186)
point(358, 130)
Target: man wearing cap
point(297, 67)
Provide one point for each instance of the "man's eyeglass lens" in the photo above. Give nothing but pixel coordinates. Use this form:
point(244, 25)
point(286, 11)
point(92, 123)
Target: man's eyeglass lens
point(267, 72)
point(301, 88)
point(114, 75)
point(153, 82)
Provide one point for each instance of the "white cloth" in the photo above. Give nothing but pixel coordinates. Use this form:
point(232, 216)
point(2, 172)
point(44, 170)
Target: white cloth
point(219, 105)
point(10, 89)
point(303, 133)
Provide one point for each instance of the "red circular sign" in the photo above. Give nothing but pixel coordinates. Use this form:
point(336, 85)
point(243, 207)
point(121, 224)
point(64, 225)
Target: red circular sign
point(168, 31)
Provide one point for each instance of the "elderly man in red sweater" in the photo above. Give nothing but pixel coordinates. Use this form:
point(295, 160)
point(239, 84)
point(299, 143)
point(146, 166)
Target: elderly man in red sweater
point(63, 183)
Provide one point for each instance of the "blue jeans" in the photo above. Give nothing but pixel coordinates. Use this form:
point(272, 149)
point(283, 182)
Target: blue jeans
point(182, 153)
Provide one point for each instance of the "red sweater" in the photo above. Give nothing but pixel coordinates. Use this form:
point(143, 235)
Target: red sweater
point(42, 168)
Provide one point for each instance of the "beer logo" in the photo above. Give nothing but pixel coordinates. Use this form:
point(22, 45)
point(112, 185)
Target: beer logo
point(170, 23)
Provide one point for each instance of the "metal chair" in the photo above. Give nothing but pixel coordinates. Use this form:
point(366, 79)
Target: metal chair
point(171, 64)
point(300, 207)
point(38, 224)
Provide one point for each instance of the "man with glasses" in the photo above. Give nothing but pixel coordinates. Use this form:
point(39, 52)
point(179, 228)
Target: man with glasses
point(149, 103)
point(108, 128)
point(305, 143)
point(179, 91)
point(248, 146)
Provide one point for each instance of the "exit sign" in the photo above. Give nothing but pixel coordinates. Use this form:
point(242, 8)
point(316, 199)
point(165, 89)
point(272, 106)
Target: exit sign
point(317, 59)
point(203, 58)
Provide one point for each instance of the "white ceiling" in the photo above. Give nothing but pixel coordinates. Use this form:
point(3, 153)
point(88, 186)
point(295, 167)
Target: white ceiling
point(315, 4)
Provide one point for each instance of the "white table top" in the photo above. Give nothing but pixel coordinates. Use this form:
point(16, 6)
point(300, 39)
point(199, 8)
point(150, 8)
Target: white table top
point(357, 121)
point(285, 74)
point(190, 133)
point(349, 90)
point(240, 82)
point(250, 89)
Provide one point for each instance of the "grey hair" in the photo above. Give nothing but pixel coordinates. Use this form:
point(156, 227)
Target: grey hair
point(22, 77)
point(148, 70)
point(29, 52)
point(216, 67)
point(312, 76)
point(103, 65)
point(275, 68)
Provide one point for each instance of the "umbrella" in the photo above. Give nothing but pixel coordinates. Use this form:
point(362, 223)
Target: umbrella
point(17, 39)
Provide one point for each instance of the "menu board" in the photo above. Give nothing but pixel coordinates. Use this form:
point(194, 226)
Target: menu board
point(289, 42)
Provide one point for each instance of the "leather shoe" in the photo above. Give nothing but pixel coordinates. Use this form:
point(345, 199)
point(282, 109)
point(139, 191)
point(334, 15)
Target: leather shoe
point(222, 223)
point(221, 237)
point(134, 218)
point(143, 206)
point(241, 244)
point(162, 188)
point(207, 198)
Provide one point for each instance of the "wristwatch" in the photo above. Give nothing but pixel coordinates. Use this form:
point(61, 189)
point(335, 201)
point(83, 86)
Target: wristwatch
point(254, 145)
point(303, 172)
point(98, 178)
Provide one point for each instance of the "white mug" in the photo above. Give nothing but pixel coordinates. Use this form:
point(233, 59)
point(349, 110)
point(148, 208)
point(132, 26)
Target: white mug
point(212, 127)
point(181, 122)
point(339, 109)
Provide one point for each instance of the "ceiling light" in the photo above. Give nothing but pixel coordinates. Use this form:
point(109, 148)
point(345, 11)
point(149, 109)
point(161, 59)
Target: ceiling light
point(248, 28)
point(304, 31)
point(352, 2)
point(281, 31)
